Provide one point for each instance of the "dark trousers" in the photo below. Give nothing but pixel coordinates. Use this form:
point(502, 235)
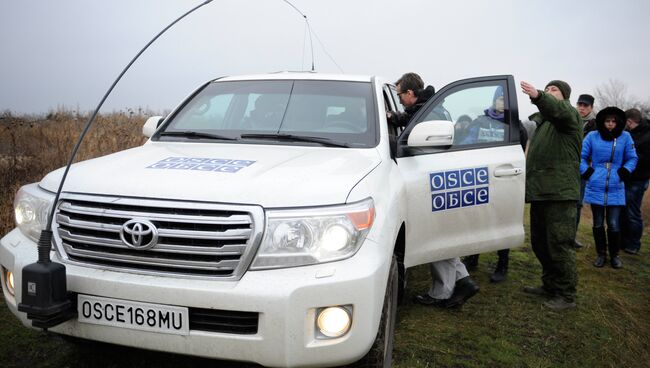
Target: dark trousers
point(631, 219)
point(552, 234)
point(611, 214)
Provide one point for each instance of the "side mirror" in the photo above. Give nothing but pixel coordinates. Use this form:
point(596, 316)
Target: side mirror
point(151, 125)
point(433, 133)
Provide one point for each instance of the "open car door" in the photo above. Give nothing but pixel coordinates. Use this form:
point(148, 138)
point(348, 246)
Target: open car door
point(463, 162)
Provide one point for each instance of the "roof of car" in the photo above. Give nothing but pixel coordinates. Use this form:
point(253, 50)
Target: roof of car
point(300, 75)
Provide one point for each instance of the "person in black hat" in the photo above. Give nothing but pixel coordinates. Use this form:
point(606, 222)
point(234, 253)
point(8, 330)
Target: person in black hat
point(585, 107)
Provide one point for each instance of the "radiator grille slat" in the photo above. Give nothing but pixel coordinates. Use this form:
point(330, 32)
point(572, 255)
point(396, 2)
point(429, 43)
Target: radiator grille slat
point(198, 239)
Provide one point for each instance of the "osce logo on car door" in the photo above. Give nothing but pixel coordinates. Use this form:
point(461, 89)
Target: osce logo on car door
point(459, 188)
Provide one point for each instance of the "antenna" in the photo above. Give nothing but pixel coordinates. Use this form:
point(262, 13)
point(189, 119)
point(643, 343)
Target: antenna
point(44, 289)
point(310, 40)
point(311, 43)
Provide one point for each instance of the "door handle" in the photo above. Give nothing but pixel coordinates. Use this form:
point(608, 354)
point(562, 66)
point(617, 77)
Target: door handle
point(508, 172)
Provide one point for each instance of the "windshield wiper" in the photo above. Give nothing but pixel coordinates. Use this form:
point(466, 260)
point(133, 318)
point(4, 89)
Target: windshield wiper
point(193, 134)
point(296, 138)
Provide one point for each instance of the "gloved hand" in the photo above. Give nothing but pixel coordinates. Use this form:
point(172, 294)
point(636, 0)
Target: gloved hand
point(623, 174)
point(587, 174)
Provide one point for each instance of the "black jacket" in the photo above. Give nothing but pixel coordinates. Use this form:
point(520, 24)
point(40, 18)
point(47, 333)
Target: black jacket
point(589, 126)
point(641, 137)
point(401, 119)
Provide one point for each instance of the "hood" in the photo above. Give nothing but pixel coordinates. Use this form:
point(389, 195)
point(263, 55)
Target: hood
point(270, 176)
point(620, 122)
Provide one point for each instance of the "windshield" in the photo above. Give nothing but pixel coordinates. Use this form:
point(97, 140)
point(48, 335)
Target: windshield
point(338, 112)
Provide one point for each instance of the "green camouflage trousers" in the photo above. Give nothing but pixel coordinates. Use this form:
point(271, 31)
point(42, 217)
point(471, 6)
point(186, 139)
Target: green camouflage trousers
point(552, 235)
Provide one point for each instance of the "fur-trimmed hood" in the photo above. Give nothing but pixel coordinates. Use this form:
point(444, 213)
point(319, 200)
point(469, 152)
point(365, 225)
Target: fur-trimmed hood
point(620, 122)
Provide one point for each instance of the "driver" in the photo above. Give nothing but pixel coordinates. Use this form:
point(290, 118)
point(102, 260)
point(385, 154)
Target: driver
point(268, 112)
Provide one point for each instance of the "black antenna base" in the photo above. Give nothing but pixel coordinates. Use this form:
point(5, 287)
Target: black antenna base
point(44, 290)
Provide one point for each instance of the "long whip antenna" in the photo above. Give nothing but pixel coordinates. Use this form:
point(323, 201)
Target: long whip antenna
point(310, 40)
point(44, 289)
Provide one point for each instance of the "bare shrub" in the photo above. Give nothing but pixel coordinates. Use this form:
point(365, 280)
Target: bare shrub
point(29, 149)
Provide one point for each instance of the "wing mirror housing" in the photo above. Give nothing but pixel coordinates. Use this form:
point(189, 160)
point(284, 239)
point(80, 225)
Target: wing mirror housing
point(151, 125)
point(434, 133)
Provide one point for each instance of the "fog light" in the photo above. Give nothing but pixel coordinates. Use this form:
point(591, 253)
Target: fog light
point(9, 281)
point(333, 321)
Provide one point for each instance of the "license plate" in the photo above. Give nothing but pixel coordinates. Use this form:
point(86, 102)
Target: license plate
point(133, 315)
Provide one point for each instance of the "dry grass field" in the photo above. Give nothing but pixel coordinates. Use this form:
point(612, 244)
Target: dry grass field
point(30, 148)
point(500, 327)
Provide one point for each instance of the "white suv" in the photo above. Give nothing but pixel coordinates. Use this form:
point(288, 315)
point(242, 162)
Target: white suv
point(271, 218)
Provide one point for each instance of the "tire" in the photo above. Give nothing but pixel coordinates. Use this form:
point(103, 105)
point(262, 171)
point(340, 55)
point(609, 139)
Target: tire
point(403, 274)
point(381, 352)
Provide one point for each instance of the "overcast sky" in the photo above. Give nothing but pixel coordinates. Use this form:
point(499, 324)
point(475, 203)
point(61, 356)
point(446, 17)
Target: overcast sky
point(68, 52)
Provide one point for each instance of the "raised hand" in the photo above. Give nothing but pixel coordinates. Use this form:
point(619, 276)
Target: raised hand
point(529, 89)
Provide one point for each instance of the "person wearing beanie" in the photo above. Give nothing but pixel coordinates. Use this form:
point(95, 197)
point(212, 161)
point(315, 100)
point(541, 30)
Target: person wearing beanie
point(637, 184)
point(553, 190)
point(585, 107)
point(608, 159)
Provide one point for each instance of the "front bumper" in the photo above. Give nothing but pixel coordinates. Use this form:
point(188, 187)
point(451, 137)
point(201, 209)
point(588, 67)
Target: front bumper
point(286, 300)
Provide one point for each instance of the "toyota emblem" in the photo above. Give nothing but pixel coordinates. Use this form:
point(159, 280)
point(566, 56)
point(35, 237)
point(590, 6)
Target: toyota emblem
point(139, 234)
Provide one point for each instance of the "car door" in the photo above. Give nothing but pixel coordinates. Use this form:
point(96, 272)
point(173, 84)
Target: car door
point(467, 196)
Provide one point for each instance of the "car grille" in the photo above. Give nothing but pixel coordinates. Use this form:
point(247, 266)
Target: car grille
point(194, 238)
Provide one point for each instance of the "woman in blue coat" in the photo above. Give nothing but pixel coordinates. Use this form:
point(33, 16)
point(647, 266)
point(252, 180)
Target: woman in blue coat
point(608, 157)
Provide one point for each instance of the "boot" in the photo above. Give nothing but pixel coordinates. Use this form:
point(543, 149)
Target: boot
point(501, 271)
point(471, 262)
point(464, 289)
point(559, 304)
point(614, 241)
point(600, 240)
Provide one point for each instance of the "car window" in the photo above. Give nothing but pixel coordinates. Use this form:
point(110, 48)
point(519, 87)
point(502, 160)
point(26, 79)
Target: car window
point(338, 110)
point(398, 105)
point(478, 112)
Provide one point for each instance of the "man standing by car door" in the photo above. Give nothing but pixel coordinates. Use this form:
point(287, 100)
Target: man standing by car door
point(553, 189)
point(452, 286)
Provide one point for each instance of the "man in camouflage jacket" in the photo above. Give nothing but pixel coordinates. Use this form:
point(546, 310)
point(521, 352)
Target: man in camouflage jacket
point(553, 189)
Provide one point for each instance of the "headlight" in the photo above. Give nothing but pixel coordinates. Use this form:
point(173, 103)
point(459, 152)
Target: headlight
point(315, 235)
point(31, 207)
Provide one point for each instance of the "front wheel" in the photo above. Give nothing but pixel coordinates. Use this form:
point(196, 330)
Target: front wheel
point(381, 352)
